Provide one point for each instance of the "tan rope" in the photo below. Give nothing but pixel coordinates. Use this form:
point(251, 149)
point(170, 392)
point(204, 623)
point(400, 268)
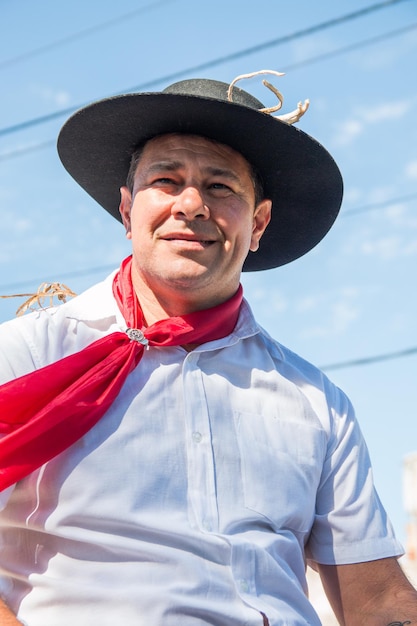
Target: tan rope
point(291, 117)
point(44, 292)
point(278, 94)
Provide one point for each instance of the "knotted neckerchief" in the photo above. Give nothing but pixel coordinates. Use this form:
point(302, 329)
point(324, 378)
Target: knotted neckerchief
point(44, 412)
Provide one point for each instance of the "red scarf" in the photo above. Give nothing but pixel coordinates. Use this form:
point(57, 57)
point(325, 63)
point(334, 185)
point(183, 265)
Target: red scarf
point(46, 411)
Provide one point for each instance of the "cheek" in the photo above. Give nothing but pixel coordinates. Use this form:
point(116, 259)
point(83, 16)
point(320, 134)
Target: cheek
point(141, 220)
point(240, 226)
point(233, 218)
point(149, 211)
point(144, 227)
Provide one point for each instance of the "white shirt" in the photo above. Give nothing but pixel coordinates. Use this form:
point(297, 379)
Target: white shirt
point(200, 493)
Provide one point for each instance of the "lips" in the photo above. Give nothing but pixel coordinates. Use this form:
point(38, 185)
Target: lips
point(202, 239)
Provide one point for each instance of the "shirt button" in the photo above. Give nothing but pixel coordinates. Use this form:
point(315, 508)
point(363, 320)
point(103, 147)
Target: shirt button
point(197, 437)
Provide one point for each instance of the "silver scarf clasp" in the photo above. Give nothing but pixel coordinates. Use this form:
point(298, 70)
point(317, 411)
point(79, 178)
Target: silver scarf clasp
point(135, 334)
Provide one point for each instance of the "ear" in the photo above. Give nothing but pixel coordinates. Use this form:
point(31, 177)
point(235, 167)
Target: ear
point(125, 207)
point(261, 219)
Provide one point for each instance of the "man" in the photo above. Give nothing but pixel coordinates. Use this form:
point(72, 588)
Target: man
point(164, 460)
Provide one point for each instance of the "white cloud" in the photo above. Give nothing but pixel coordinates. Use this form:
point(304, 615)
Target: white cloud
point(411, 248)
point(13, 226)
point(386, 111)
point(340, 310)
point(381, 194)
point(354, 126)
point(385, 247)
point(388, 248)
point(401, 215)
point(62, 97)
point(396, 212)
point(22, 225)
point(348, 131)
point(411, 170)
point(58, 97)
point(387, 56)
point(353, 195)
point(271, 301)
point(308, 303)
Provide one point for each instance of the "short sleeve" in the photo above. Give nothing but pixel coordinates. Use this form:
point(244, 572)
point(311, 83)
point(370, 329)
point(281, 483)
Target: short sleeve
point(350, 524)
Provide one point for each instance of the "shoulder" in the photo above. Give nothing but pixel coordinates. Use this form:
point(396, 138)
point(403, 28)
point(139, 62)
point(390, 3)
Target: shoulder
point(296, 367)
point(44, 336)
point(326, 399)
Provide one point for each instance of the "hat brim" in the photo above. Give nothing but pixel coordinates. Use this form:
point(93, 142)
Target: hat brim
point(299, 176)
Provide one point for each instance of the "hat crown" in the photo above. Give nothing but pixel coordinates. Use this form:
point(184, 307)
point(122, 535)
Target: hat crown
point(206, 88)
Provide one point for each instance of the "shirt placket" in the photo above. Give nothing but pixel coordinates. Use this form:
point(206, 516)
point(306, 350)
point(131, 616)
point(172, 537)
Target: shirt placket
point(202, 501)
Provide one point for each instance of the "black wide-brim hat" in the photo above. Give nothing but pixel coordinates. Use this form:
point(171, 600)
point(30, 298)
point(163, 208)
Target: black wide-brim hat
point(299, 176)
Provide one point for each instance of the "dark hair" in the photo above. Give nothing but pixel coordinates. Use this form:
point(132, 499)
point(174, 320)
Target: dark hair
point(137, 154)
point(134, 162)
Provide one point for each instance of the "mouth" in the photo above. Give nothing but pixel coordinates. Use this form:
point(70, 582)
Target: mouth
point(189, 240)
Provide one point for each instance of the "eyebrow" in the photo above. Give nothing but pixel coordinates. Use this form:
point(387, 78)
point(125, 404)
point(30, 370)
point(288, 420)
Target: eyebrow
point(164, 165)
point(171, 166)
point(220, 171)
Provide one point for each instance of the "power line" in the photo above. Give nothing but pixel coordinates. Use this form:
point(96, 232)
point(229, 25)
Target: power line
point(371, 359)
point(310, 30)
point(350, 48)
point(40, 120)
point(378, 205)
point(63, 275)
point(5, 156)
point(214, 62)
point(361, 44)
point(86, 32)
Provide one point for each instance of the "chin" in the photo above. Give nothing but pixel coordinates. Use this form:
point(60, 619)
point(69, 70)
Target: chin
point(187, 280)
point(186, 270)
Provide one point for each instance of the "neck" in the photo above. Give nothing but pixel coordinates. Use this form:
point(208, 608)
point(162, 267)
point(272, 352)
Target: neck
point(173, 302)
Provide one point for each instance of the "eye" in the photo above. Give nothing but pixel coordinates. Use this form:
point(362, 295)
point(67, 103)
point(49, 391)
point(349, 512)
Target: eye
point(220, 186)
point(164, 180)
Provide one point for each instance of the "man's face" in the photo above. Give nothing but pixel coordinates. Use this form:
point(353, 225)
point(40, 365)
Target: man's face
point(192, 217)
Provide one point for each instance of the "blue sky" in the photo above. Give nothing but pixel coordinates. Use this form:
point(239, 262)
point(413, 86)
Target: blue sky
point(352, 297)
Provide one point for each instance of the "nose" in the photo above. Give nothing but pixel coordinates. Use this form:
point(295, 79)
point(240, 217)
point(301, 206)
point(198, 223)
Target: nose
point(190, 205)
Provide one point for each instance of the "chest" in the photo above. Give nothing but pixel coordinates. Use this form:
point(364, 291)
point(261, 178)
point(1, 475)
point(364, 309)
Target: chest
point(217, 445)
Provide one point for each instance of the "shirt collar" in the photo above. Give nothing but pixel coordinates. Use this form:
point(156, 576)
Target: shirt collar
point(98, 303)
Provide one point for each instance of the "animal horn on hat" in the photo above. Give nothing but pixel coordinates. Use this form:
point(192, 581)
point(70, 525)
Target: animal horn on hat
point(290, 118)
